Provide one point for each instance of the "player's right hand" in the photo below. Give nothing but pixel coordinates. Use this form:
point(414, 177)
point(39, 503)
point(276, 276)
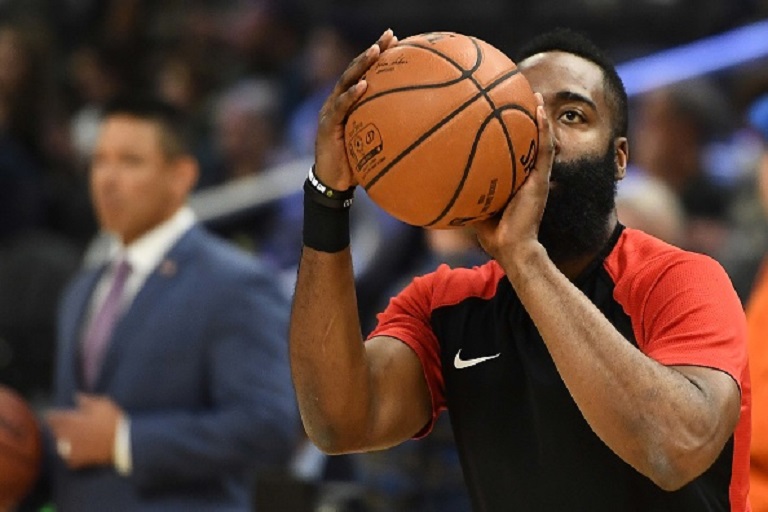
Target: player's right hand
point(509, 238)
point(331, 166)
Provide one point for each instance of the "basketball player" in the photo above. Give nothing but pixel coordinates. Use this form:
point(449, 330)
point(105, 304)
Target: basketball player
point(588, 367)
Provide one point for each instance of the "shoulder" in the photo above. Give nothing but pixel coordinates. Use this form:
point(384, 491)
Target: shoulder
point(223, 254)
point(641, 260)
point(220, 261)
point(665, 289)
point(448, 286)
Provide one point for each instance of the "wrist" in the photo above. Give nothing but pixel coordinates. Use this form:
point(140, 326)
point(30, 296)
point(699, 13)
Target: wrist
point(521, 261)
point(333, 171)
point(326, 195)
point(326, 215)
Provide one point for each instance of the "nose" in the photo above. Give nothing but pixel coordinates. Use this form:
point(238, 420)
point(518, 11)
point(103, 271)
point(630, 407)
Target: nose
point(104, 176)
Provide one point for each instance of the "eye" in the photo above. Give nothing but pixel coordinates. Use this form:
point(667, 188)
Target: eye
point(572, 116)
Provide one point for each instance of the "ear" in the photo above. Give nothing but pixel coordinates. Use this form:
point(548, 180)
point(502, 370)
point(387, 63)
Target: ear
point(186, 172)
point(621, 149)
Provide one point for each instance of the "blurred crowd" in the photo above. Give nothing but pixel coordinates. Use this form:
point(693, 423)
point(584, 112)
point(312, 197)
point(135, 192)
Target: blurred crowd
point(250, 76)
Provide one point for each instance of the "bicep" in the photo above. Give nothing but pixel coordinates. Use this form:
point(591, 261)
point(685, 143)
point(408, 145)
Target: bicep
point(401, 403)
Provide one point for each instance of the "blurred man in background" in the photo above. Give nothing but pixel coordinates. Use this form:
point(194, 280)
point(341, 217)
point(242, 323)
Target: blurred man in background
point(172, 384)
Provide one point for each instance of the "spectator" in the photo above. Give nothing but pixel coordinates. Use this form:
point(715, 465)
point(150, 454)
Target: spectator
point(172, 391)
point(325, 56)
point(247, 128)
point(757, 332)
point(21, 171)
point(673, 126)
point(648, 204)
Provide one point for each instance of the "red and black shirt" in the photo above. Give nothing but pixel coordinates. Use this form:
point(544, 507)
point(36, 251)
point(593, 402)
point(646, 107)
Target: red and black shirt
point(523, 443)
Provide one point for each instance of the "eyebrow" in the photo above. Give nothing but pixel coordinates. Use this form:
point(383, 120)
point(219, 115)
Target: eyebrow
point(574, 96)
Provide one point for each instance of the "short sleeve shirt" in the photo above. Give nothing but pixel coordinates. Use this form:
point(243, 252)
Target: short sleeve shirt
point(523, 443)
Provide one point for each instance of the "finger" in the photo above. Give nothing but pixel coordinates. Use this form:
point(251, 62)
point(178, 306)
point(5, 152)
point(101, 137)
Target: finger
point(387, 40)
point(362, 62)
point(545, 152)
point(358, 67)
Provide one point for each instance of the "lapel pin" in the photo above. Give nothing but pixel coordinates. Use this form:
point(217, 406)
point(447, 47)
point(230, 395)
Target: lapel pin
point(168, 268)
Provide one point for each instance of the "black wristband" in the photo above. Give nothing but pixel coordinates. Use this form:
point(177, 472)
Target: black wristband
point(325, 195)
point(326, 228)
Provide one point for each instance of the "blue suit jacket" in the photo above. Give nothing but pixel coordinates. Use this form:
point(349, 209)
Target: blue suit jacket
point(199, 362)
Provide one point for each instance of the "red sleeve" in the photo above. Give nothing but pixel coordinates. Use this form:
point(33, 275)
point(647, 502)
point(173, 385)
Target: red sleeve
point(407, 318)
point(689, 313)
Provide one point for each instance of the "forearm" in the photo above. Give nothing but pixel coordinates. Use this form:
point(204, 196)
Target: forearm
point(652, 416)
point(330, 372)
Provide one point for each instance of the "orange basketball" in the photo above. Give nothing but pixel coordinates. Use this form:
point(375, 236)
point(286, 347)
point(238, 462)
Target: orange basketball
point(20, 448)
point(446, 132)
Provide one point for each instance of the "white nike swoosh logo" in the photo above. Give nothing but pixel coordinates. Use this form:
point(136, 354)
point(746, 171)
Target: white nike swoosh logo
point(460, 363)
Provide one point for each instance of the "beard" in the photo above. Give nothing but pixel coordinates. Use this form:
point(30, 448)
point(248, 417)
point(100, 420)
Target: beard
point(577, 211)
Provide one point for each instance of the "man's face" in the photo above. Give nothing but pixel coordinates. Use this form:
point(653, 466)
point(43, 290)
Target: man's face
point(133, 183)
point(587, 161)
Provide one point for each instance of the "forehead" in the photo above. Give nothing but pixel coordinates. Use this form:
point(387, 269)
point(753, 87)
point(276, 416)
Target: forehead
point(130, 132)
point(554, 73)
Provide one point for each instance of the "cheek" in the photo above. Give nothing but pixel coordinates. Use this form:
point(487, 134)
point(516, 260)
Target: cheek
point(571, 146)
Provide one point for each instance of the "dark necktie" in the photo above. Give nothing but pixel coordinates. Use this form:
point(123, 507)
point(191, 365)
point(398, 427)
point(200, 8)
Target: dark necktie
point(100, 329)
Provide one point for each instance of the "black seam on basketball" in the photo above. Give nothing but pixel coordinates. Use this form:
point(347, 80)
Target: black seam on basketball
point(470, 158)
point(480, 88)
point(465, 73)
point(492, 116)
point(510, 145)
point(432, 130)
point(455, 64)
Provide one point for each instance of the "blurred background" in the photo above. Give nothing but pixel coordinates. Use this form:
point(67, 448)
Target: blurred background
point(251, 76)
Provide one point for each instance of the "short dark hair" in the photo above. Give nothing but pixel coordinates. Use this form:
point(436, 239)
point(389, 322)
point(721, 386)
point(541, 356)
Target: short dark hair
point(150, 108)
point(570, 41)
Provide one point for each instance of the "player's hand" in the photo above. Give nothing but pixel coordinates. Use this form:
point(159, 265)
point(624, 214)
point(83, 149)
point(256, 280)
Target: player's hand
point(85, 436)
point(331, 165)
point(511, 237)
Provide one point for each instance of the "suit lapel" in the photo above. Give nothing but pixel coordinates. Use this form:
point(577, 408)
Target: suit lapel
point(148, 298)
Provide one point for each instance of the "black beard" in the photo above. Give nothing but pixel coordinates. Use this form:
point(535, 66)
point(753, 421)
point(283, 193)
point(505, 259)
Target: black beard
point(578, 207)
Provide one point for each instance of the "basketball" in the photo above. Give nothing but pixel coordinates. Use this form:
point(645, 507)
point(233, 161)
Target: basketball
point(445, 133)
point(20, 447)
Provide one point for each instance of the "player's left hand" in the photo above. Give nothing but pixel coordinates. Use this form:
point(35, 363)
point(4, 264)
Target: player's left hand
point(510, 238)
point(85, 436)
